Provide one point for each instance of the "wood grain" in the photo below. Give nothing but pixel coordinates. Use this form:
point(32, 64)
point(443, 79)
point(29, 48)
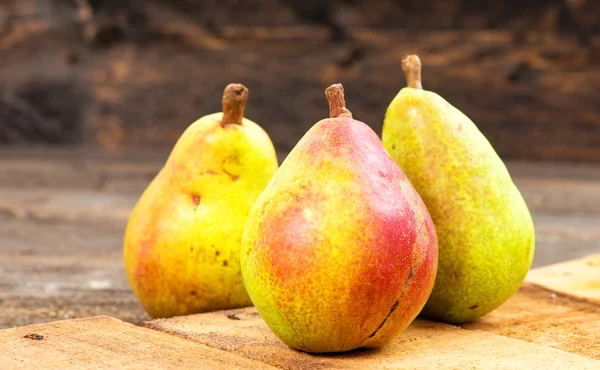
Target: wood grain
point(424, 345)
point(538, 315)
point(106, 343)
point(578, 278)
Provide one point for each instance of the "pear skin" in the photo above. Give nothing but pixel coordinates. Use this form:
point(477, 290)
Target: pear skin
point(486, 233)
point(339, 251)
point(183, 238)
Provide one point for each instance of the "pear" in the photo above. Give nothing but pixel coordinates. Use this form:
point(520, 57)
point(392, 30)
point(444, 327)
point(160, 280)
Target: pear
point(183, 238)
point(485, 229)
point(339, 251)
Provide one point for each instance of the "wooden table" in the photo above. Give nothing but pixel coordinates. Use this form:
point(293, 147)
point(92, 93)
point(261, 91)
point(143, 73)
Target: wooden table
point(63, 215)
point(553, 322)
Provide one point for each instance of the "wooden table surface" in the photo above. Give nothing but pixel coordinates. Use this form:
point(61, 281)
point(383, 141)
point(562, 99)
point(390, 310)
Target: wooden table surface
point(540, 327)
point(63, 214)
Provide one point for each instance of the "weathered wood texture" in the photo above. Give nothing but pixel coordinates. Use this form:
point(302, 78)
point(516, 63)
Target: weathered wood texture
point(536, 329)
point(107, 343)
point(541, 316)
point(578, 278)
point(535, 314)
point(423, 345)
point(558, 306)
point(533, 99)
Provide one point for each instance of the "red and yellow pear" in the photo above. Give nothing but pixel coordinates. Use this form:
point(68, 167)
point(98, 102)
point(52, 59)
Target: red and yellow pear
point(339, 251)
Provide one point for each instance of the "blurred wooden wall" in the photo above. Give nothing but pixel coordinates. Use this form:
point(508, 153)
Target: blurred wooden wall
point(132, 73)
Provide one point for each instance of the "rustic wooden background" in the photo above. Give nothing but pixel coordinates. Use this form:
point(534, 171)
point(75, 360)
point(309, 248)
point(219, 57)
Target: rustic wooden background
point(122, 74)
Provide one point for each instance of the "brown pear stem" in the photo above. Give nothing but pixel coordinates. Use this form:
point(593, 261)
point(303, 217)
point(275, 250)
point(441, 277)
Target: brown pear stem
point(337, 103)
point(411, 65)
point(234, 102)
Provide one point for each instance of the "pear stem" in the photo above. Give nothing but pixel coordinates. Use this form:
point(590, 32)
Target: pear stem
point(234, 102)
point(411, 66)
point(337, 103)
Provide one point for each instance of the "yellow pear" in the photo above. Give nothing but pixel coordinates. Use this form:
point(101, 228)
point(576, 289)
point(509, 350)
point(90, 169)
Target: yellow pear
point(486, 234)
point(182, 241)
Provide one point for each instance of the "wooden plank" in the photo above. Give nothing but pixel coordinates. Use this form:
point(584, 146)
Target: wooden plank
point(560, 195)
point(26, 308)
point(78, 168)
point(55, 270)
point(538, 315)
point(53, 204)
point(104, 342)
point(564, 237)
point(47, 257)
point(579, 278)
point(424, 345)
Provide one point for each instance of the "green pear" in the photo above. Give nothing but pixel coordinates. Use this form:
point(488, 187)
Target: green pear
point(485, 230)
point(183, 238)
point(339, 251)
